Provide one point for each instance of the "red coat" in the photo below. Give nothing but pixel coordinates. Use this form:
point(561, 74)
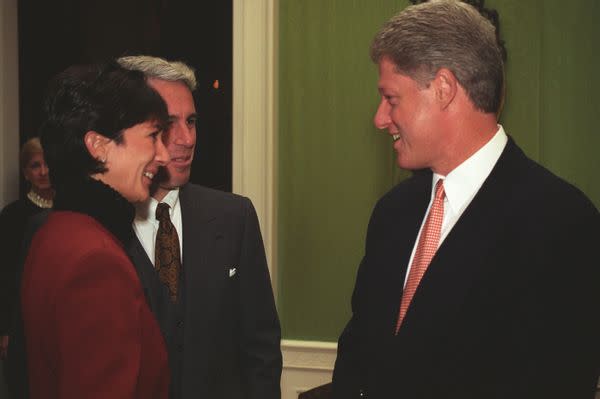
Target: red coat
point(89, 331)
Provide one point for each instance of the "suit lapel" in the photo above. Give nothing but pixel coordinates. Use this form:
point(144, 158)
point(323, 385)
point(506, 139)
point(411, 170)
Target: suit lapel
point(412, 218)
point(200, 236)
point(391, 235)
point(146, 273)
point(461, 259)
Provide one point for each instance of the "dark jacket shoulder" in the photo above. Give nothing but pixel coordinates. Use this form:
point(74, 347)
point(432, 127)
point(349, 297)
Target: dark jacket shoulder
point(556, 191)
point(210, 202)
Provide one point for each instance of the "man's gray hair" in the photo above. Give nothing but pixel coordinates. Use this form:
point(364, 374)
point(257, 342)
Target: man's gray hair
point(445, 34)
point(159, 68)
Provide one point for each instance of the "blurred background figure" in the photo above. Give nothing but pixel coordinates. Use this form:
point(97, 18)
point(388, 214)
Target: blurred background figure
point(13, 220)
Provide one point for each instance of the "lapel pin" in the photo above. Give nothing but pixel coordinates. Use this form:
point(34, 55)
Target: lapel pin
point(232, 272)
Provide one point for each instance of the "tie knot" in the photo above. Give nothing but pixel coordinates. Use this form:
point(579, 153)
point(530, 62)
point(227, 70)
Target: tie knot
point(162, 212)
point(439, 189)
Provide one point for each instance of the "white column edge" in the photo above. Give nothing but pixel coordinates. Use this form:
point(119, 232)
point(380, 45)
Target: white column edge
point(254, 153)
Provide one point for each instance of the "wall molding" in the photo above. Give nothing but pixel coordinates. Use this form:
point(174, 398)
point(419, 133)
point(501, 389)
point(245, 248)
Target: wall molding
point(254, 158)
point(306, 364)
point(308, 355)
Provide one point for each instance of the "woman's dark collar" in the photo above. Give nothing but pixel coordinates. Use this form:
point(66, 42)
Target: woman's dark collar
point(101, 202)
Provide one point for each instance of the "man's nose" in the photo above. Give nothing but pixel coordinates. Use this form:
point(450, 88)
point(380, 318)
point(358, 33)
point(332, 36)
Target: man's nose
point(162, 155)
point(183, 134)
point(382, 119)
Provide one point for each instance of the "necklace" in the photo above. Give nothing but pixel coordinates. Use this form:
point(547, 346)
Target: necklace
point(39, 200)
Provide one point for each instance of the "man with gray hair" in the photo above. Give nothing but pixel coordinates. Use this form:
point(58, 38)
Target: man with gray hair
point(480, 278)
point(201, 260)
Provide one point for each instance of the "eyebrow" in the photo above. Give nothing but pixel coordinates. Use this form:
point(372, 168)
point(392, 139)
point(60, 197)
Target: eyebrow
point(386, 92)
point(192, 115)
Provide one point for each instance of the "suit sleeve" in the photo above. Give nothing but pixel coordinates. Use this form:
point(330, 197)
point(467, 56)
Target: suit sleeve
point(558, 316)
point(97, 329)
point(348, 373)
point(575, 273)
point(260, 330)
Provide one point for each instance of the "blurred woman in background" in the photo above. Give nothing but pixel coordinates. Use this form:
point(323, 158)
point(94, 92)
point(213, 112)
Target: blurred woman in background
point(13, 220)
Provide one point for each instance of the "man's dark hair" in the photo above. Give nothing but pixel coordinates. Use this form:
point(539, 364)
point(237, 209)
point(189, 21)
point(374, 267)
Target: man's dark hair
point(105, 98)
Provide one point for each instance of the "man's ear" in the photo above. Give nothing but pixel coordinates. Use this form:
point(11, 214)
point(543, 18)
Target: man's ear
point(446, 86)
point(96, 145)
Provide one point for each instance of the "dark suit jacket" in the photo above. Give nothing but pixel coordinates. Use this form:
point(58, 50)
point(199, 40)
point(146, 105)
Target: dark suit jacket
point(13, 221)
point(15, 369)
point(225, 342)
point(508, 307)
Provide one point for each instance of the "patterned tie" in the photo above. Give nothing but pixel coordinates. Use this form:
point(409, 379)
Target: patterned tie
point(166, 258)
point(426, 249)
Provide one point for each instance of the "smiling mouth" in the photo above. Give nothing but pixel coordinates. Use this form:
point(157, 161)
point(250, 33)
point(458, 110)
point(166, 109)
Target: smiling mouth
point(180, 159)
point(396, 137)
point(149, 175)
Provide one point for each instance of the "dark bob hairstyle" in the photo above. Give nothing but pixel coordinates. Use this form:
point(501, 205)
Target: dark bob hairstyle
point(104, 98)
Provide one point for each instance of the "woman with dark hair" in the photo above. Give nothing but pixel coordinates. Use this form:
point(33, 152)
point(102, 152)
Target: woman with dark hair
point(88, 330)
point(13, 220)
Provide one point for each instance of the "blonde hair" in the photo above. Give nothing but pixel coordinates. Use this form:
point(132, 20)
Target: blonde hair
point(29, 148)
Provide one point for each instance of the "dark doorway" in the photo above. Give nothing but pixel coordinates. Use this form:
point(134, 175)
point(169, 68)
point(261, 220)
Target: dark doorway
point(59, 33)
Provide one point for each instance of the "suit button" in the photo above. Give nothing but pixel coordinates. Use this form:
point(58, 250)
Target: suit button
point(180, 323)
point(180, 348)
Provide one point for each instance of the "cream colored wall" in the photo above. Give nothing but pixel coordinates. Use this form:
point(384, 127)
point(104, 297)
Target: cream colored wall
point(9, 102)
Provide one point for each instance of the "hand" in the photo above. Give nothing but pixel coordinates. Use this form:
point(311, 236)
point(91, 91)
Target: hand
point(3, 346)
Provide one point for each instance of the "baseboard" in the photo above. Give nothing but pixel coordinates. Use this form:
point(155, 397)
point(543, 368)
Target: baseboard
point(306, 364)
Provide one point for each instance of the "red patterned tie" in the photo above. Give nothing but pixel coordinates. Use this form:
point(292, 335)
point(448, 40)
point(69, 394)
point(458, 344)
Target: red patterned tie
point(167, 259)
point(428, 244)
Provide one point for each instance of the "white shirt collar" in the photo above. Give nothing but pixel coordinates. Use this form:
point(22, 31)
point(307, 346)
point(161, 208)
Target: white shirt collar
point(463, 182)
point(146, 211)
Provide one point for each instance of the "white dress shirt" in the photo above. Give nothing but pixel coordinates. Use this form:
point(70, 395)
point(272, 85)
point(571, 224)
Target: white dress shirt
point(145, 224)
point(461, 185)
